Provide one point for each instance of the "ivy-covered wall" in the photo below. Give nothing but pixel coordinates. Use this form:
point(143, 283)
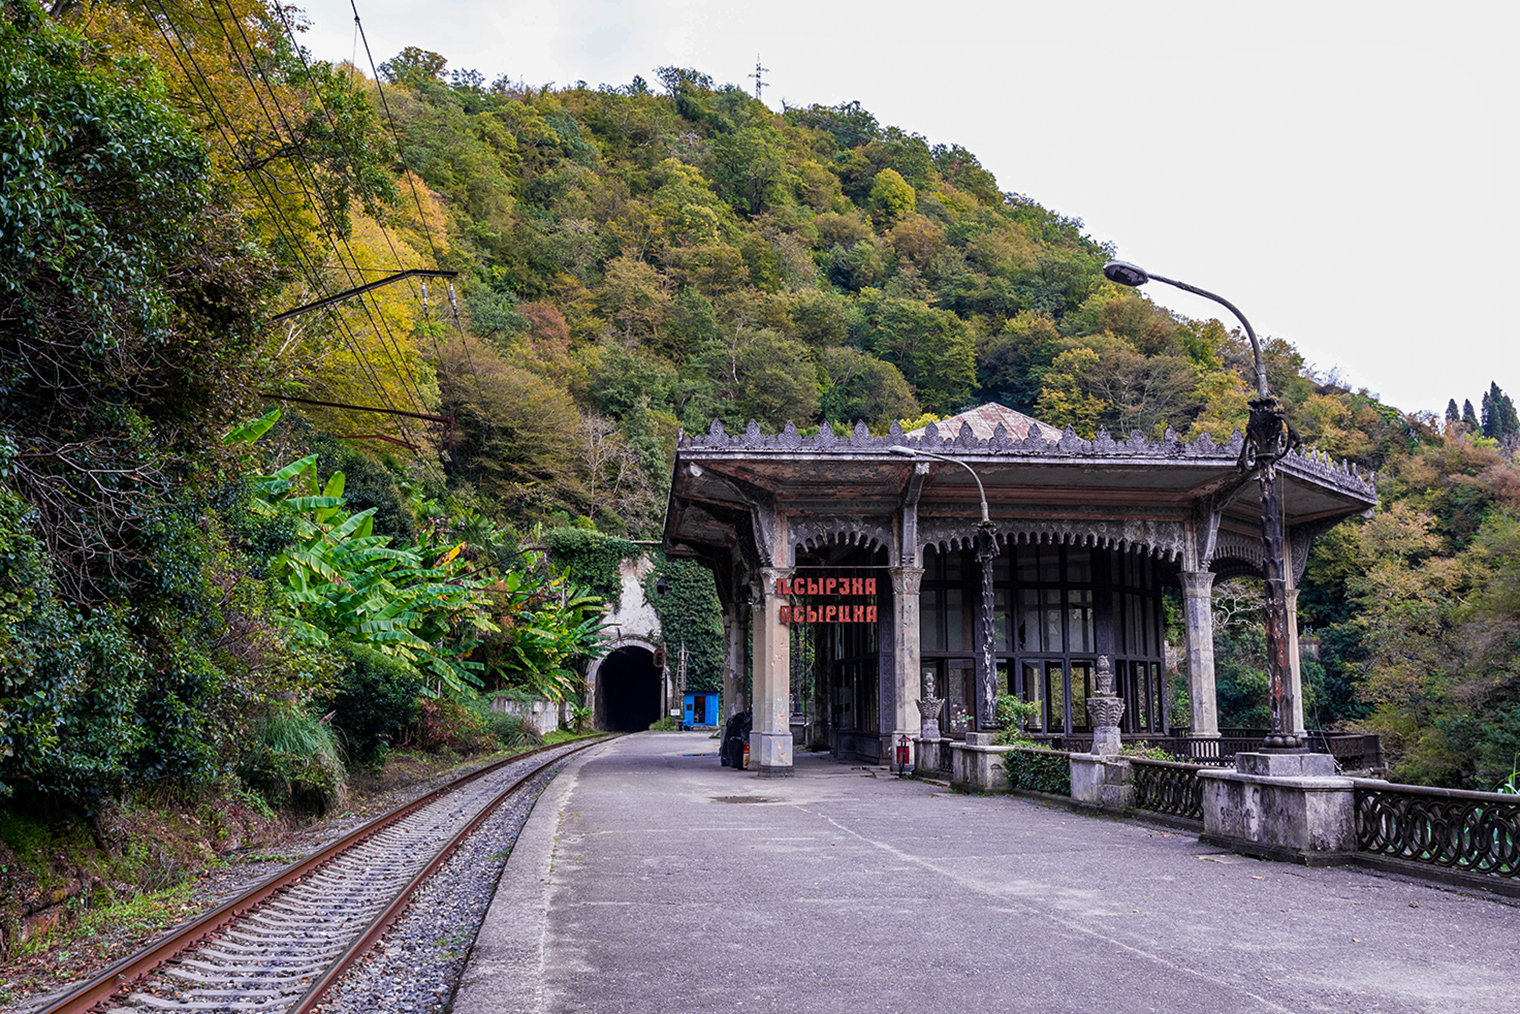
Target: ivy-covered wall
point(590, 559)
point(689, 613)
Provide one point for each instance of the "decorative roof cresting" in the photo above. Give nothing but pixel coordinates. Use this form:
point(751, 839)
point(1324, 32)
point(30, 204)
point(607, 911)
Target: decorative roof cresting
point(1341, 474)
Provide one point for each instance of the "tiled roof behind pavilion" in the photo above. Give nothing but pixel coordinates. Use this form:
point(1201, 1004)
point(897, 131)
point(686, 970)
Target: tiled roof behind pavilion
point(985, 419)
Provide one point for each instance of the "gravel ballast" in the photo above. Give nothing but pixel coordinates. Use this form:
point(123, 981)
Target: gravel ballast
point(417, 966)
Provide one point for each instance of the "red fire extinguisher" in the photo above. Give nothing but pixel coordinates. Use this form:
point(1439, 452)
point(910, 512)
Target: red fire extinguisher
point(902, 755)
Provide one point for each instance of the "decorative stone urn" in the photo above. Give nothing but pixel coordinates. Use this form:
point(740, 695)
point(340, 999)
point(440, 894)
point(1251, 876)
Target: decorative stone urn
point(1105, 708)
point(928, 710)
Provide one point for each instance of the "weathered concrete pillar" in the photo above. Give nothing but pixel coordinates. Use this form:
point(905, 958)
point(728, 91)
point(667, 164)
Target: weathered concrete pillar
point(905, 651)
point(1281, 806)
point(1102, 780)
point(1295, 664)
point(771, 736)
point(733, 662)
point(1198, 619)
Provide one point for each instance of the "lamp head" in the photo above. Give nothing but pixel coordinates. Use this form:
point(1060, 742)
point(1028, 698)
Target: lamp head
point(905, 451)
point(1125, 273)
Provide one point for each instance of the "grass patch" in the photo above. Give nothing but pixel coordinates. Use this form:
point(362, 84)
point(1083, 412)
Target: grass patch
point(140, 916)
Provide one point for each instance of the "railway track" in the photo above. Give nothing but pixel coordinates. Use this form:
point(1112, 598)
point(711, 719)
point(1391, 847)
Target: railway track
point(278, 947)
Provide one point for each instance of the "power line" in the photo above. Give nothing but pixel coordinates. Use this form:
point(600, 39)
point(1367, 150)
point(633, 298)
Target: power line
point(332, 121)
point(464, 344)
point(362, 289)
point(271, 206)
point(422, 218)
point(383, 329)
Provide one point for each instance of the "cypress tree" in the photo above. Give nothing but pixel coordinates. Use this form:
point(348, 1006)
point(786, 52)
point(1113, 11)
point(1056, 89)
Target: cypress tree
point(1469, 417)
point(1504, 407)
point(1499, 418)
point(1452, 415)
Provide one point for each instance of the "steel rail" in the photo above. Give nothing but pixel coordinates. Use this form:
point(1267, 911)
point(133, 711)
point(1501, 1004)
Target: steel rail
point(125, 974)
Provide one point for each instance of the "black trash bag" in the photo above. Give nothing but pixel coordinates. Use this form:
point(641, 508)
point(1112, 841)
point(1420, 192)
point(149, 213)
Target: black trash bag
point(735, 735)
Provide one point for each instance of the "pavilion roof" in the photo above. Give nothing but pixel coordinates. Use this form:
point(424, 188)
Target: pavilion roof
point(1036, 487)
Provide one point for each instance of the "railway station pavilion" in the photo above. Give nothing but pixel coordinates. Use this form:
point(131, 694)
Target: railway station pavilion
point(867, 557)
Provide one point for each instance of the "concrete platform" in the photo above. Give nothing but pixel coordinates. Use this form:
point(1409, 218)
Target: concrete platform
point(648, 880)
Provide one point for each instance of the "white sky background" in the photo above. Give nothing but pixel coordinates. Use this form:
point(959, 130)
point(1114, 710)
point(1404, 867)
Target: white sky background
point(1344, 172)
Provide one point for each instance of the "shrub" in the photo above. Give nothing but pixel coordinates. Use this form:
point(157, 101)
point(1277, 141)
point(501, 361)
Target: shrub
point(1012, 713)
point(1145, 751)
point(375, 698)
point(1039, 770)
point(512, 730)
point(445, 724)
point(292, 759)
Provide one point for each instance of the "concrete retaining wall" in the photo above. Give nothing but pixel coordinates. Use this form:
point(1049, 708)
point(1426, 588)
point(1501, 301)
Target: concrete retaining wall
point(543, 716)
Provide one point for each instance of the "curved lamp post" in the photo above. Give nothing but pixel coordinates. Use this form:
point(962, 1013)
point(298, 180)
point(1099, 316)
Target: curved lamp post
point(1269, 436)
point(914, 452)
point(986, 550)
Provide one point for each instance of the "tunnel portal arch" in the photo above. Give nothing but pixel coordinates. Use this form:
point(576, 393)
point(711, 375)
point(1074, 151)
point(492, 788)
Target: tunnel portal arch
point(627, 687)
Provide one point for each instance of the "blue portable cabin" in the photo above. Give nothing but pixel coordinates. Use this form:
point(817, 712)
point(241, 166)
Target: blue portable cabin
point(702, 710)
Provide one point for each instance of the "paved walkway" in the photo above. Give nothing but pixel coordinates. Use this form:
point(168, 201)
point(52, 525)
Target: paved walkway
point(651, 880)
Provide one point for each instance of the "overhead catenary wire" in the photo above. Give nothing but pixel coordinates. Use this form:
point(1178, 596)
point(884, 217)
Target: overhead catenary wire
point(235, 144)
point(300, 53)
point(385, 105)
point(422, 218)
point(335, 234)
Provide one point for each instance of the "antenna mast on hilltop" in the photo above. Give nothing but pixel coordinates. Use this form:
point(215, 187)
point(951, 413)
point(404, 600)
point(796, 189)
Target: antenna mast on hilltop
point(759, 84)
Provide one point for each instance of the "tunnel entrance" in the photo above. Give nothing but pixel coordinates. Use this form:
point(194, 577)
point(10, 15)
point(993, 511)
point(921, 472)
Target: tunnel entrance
point(630, 685)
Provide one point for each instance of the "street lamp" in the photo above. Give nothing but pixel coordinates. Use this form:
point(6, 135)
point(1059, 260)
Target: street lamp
point(914, 452)
point(986, 550)
point(1269, 436)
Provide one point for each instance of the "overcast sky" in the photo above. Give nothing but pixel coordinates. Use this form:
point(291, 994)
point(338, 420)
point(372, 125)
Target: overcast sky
point(1343, 172)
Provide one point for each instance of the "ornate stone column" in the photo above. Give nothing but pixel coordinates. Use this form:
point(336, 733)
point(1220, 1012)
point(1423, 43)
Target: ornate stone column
point(1198, 619)
point(1102, 777)
point(905, 650)
point(771, 736)
point(928, 711)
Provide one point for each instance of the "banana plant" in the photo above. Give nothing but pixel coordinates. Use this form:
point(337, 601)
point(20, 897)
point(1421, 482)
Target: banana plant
point(422, 604)
point(341, 580)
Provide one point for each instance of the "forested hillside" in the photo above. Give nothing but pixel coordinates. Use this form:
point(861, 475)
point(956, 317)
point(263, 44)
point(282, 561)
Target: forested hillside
point(632, 259)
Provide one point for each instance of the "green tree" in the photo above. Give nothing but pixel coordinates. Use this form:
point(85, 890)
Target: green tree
point(934, 349)
point(847, 124)
point(1499, 418)
point(636, 298)
point(118, 255)
point(749, 169)
point(892, 197)
point(414, 66)
point(1102, 379)
point(860, 387)
point(1011, 363)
